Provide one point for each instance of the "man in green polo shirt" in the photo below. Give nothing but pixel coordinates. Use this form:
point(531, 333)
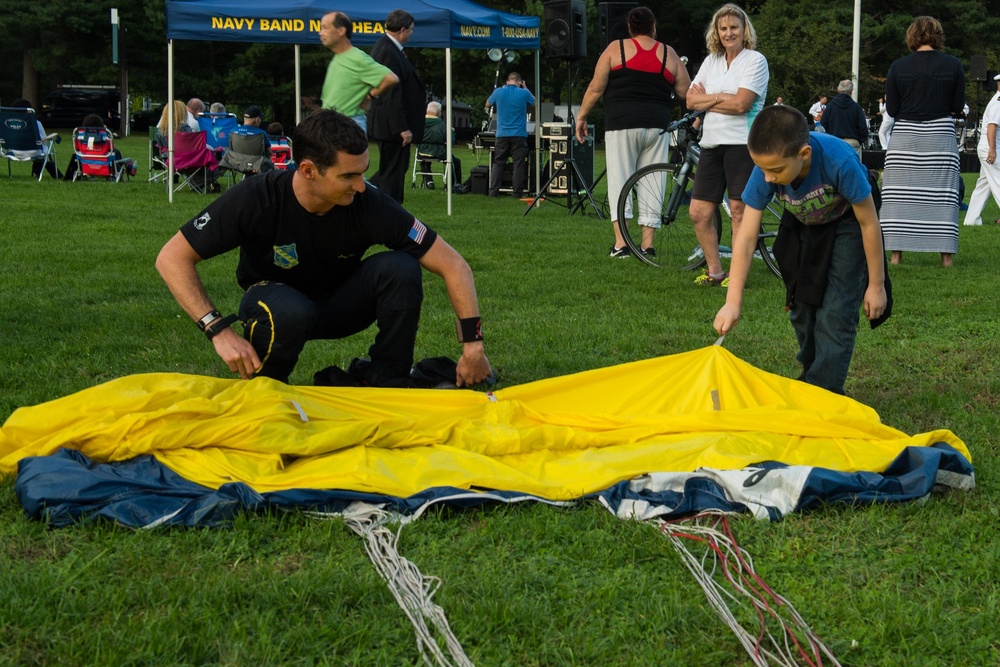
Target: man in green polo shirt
point(353, 79)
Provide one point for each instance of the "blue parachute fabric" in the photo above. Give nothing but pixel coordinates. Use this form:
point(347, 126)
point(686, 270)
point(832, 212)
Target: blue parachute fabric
point(771, 489)
point(67, 487)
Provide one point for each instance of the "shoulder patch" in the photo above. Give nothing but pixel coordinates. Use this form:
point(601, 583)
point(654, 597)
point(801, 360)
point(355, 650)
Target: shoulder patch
point(202, 220)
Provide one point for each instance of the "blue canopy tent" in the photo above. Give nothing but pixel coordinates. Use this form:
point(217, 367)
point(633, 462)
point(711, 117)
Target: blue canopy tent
point(447, 24)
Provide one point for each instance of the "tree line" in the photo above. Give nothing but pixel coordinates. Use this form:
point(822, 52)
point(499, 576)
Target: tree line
point(808, 46)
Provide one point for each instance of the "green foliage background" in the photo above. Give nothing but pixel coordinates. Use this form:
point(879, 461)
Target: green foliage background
point(808, 46)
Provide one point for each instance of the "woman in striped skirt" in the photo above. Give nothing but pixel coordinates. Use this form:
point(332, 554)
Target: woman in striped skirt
point(924, 91)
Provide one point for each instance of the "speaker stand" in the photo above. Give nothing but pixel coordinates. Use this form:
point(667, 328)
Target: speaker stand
point(579, 205)
point(569, 166)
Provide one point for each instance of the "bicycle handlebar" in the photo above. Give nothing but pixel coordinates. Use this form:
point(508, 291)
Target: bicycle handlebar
point(684, 121)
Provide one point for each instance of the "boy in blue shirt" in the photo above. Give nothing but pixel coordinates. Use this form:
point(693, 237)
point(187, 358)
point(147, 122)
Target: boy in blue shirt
point(829, 245)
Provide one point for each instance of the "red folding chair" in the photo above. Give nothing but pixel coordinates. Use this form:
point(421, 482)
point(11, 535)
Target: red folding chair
point(96, 157)
point(281, 153)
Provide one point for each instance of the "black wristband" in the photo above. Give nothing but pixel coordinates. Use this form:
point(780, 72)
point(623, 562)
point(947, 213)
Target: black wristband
point(208, 318)
point(469, 329)
point(217, 326)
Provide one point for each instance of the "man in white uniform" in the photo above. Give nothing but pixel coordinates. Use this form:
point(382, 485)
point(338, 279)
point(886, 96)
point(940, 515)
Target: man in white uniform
point(989, 174)
point(816, 111)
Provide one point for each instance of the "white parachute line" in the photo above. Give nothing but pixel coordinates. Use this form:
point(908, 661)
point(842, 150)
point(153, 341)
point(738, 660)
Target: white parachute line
point(413, 591)
point(724, 555)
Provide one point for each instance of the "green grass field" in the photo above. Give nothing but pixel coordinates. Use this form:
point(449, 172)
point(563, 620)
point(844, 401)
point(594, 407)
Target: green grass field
point(915, 584)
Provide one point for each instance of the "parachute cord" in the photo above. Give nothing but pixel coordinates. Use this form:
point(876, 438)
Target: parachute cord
point(722, 552)
point(412, 590)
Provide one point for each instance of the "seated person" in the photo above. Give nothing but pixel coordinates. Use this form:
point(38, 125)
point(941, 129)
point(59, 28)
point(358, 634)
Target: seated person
point(281, 149)
point(191, 111)
point(217, 107)
point(276, 133)
point(91, 120)
point(36, 165)
point(163, 130)
point(251, 123)
point(435, 145)
point(241, 162)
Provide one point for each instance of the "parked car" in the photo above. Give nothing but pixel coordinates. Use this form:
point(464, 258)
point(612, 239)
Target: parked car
point(141, 121)
point(67, 106)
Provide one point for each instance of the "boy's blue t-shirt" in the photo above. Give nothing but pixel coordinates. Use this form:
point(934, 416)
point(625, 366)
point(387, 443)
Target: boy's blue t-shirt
point(836, 181)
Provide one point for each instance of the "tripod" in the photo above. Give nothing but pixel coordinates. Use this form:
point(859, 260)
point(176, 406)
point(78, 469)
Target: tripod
point(569, 168)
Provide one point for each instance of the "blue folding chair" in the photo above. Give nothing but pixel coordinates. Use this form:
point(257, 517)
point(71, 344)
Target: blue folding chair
point(217, 127)
point(22, 141)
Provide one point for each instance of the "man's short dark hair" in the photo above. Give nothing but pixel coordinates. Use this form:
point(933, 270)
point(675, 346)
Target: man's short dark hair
point(342, 20)
point(324, 134)
point(778, 130)
point(397, 20)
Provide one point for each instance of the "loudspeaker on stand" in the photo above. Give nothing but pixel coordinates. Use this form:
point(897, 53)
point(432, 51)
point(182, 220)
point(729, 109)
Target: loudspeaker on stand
point(565, 29)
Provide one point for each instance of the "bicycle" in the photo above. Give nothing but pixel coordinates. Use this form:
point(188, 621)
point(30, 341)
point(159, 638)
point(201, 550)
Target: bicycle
point(660, 194)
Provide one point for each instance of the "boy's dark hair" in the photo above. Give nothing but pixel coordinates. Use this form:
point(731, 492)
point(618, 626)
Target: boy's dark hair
point(778, 130)
point(93, 120)
point(397, 20)
point(324, 134)
point(276, 129)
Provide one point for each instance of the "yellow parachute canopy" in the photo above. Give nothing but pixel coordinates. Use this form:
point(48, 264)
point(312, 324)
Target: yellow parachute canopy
point(559, 438)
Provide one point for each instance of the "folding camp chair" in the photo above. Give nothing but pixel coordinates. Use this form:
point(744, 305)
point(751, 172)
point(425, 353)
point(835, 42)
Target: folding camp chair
point(21, 140)
point(248, 154)
point(194, 161)
point(423, 165)
point(281, 153)
point(157, 158)
point(96, 157)
point(217, 127)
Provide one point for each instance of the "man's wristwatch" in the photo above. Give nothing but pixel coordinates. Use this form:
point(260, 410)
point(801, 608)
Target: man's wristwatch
point(372, 95)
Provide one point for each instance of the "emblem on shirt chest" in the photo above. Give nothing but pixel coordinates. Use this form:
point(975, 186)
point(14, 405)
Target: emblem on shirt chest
point(286, 256)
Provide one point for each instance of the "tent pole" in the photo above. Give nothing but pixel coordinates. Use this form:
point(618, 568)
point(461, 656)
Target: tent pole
point(170, 120)
point(538, 123)
point(449, 147)
point(298, 84)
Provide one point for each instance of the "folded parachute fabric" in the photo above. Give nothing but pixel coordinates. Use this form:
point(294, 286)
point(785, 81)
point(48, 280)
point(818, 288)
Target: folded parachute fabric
point(647, 438)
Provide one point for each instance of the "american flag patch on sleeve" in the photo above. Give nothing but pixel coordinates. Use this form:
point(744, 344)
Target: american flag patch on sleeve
point(417, 232)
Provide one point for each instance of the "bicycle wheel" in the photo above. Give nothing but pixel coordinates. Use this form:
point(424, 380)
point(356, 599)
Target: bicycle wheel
point(646, 221)
point(768, 233)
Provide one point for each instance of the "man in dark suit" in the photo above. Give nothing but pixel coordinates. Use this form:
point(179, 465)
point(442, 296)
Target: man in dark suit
point(396, 119)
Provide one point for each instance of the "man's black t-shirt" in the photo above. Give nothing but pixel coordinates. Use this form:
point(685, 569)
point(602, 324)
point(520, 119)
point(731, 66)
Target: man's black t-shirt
point(282, 242)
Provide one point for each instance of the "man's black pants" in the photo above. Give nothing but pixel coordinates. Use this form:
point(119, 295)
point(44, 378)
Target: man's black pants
point(393, 163)
point(386, 289)
point(517, 148)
